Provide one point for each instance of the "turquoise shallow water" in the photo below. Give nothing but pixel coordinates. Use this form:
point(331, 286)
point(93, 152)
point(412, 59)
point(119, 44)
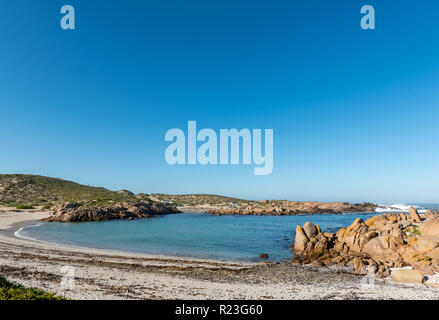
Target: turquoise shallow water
point(196, 235)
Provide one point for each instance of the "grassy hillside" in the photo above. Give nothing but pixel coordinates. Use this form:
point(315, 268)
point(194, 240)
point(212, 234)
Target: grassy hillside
point(22, 190)
point(25, 190)
point(198, 199)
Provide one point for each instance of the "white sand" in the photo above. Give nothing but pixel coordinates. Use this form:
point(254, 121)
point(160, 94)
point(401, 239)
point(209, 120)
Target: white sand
point(105, 274)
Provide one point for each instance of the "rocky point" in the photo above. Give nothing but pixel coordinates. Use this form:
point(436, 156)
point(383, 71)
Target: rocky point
point(277, 208)
point(71, 212)
point(391, 240)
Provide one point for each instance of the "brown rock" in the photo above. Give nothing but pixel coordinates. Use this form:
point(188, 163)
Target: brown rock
point(301, 241)
point(414, 215)
point(333, 253)
point(407, 253)
point(141, 209)
point(263, 256)
point(355, 236)
point(430, 214)
point(430, 228)
point(310, 229)
point(383, 272)
point(372, 262)
point(371, 269)
point(296, 260)
point(386, 273)
point(337, 259)
point(408, 276)
point(320, 246)
point(426, 244)
point(317, 264)
point(319, 230)
point(421, 258)
point(396, 232)
point(425, 270)
point(434, 255)
point(382, 248)
point(399, 263)
point(358, 265)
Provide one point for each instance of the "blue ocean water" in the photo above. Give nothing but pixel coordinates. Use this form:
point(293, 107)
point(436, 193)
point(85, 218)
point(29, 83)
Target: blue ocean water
point(197, 235)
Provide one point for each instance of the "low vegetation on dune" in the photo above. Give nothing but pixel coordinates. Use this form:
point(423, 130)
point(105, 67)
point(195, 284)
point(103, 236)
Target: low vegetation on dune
point(10, 291)
point(25, 191)
point(199, 199)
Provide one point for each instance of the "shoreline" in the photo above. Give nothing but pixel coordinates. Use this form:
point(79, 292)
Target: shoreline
point(13, 233)
point(8, 232)
point(107, 274)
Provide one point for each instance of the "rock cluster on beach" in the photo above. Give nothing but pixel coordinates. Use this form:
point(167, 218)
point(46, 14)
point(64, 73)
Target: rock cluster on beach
point(391, 240)
point(292, 208)
point(71, 212)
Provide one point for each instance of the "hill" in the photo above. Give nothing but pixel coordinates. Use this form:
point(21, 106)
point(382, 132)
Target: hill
point(25, 189)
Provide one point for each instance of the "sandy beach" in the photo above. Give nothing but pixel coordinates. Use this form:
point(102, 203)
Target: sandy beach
point(105, 274)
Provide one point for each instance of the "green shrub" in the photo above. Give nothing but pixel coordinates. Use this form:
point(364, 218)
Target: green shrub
point(23, 206)
point(416, 231)
point(10, 291)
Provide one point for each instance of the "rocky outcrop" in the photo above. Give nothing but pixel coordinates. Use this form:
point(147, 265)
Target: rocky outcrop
point(301, 240)
point(309, 229)
point(355, 236)
point(431, 214)
point(71, 212)
point(430, 227)
point(375, 245)
point(414, 215)
point(280, 208)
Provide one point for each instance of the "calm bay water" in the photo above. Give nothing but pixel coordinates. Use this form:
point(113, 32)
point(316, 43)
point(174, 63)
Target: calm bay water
point(195, 235)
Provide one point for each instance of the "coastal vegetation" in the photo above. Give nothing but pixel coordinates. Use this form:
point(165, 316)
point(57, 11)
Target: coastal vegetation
point(200, 199)
point(23, 207)
point(24, 191)
point(11, 291)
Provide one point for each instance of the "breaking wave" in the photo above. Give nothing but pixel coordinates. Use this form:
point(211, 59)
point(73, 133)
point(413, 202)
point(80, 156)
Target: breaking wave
point(399, 207)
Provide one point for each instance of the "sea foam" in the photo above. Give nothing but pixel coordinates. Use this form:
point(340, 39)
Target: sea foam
point(398, 207)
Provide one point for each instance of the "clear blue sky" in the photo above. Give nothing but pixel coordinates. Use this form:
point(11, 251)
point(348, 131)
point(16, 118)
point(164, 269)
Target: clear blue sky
point(354, 112)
